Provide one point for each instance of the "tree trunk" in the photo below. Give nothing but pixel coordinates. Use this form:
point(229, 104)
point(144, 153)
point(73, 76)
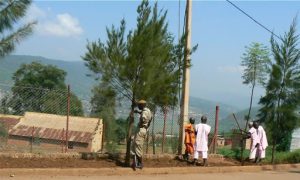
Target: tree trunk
point(250, 107)
point(273, 151)
point(129, 134)
point(247, 121)
point(153, 135)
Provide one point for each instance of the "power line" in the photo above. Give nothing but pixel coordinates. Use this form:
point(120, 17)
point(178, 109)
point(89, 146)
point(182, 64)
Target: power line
point(261, 25)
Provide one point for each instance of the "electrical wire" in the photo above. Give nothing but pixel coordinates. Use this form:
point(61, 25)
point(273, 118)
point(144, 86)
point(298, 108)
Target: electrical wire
point(260, 24)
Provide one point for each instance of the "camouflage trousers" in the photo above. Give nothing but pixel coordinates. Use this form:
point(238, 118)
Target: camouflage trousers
point(138, 142)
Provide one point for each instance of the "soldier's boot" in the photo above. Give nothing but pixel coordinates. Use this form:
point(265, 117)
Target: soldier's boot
point(195, 161)
point(205, 163)
point(139, 162)
point(134, 162)
point(185, 156)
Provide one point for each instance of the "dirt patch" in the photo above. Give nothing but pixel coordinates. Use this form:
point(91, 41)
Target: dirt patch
point(9, 162)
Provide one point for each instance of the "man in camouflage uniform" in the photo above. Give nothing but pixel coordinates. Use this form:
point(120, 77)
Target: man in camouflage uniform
point(140, 136)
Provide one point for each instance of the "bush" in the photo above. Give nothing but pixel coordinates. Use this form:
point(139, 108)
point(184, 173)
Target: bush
point(3, 131)
point(294, 157)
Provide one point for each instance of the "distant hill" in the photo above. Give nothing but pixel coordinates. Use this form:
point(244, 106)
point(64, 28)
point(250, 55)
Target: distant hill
point(81, 85)
point(76, 72)
point(228, 123)
point(208, 107)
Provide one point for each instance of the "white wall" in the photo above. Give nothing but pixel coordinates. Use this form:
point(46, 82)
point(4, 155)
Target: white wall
point(295, 144)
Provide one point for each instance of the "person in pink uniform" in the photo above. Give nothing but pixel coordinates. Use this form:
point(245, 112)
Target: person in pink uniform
point(262, 142)
point(252, 134)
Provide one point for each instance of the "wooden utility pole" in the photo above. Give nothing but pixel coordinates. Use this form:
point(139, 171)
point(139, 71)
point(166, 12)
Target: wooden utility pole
point(184, 109)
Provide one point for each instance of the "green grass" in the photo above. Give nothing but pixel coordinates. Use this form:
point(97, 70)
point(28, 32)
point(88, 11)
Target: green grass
point(280, 157)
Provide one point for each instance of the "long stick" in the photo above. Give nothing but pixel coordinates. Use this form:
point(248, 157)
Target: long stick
point(237, 122)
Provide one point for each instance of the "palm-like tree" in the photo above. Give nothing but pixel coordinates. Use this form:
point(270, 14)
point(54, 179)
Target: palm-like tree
point(282, 97)
point(11, 11)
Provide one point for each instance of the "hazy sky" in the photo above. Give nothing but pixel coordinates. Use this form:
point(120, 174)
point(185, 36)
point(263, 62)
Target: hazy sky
point(222, 32)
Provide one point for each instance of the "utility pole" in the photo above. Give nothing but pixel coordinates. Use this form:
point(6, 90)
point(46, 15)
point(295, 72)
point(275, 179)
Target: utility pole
point(184, 109)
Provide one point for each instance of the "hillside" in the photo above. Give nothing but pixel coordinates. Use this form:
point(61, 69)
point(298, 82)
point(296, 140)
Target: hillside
point(76, 72)
point(204, 106)
point(229, 123)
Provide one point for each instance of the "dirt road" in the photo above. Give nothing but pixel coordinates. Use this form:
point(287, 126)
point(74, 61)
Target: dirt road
point(263, 172)
point(263, 175)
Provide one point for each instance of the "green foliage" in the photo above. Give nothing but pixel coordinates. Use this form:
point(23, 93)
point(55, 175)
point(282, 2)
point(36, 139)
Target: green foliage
point(10, 13)
point(283, 156)
point(121, 129)
point(283, 90)
point(40, 88)
point(232, 153)
point(255, 61)
point(3, 131)
point(103, 105)
point(294, 157)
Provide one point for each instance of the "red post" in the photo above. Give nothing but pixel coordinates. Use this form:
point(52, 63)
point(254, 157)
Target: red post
point(216, 129)
point(32, 139)
point(68, 114)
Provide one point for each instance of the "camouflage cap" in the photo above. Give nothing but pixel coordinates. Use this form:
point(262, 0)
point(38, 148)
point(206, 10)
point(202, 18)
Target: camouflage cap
point(141, 101)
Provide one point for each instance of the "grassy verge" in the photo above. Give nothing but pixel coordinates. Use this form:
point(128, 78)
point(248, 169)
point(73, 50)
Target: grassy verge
point(280, 157)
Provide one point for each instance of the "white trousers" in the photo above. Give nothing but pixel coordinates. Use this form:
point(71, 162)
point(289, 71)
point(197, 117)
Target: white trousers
point(203, 153)
point(261, 153)
point(253, 153)
point(256, 152)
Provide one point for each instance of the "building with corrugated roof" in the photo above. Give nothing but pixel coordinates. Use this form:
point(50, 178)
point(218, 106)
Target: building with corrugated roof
point(84, 134)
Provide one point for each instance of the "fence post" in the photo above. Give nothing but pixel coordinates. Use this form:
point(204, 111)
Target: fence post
point(165, 111)
point(153, 134)
point(147, 140)
point(32, 139)
point(62, 140)
point(216, 130)
point(68, 114)
point(103, 135)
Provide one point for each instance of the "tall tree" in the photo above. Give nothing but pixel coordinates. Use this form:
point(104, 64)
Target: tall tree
point(256, 63)
point(283, 91)
point(133, 65)
point(11, 11)
point(41, 88)
point(103, 104)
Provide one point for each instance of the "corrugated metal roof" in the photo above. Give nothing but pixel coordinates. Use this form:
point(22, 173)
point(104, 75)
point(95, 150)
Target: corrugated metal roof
point(59, 122)
point(54, 134)
point(9, 122)
point(49, 126)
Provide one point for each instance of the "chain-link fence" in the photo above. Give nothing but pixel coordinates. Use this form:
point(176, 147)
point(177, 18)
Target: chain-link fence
point(20, 106)
point(46, 121)
point(163, 135)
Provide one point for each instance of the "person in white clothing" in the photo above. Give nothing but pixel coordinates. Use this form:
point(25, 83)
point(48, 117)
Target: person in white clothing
point(262, 143)
point(252, 134)
point(202, 131)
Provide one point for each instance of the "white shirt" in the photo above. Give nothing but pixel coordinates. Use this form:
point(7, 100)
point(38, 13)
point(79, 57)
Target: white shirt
point(202, 137)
